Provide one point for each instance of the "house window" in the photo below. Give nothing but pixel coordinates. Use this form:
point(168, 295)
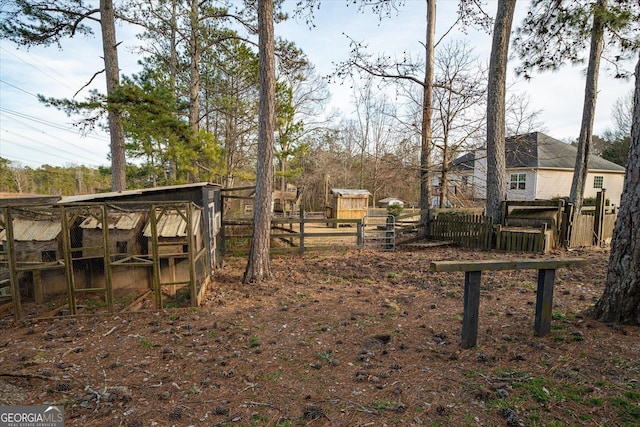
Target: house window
point(121, 247)
point(518, 181)
point(598, 181)
point(48, 256)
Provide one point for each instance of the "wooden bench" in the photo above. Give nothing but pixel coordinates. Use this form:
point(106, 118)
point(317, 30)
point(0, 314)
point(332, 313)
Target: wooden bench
point(473, 273)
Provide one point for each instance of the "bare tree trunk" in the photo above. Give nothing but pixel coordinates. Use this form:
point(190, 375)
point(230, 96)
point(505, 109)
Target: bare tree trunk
point(496, 89)
point(620, 301)
point(259, 265)
point(173, 73)
point(173, 54)
point(589, 108)
point(112, 74)
point(427, 111)
point(443, 175)
point(283, 182)
point(194, 106)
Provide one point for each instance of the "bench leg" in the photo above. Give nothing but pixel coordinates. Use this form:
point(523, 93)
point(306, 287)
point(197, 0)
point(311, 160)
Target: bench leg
point(544, 301)
point(471, 308)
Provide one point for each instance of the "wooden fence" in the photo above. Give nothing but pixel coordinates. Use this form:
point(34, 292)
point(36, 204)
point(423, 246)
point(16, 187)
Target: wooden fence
point(304, 232)
point(547, 229)
point(522, 239)
point(593, 226)
point(582, 231)
point(296, 234)
point(474, 231)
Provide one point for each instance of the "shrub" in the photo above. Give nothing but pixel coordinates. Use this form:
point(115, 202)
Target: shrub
point(395, 209)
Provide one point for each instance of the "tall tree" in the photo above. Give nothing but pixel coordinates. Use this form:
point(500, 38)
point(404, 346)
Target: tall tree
point(427, 110)
point(617, 140)
point(496, 90)
point(581, 168)
point(259, 263)
point(300, 97)
point(112, 76)
point(459, 110)
point(409, 71)
point(230, 82)
point(405, 70)
point(373, 120)
point(31, 23)
point(557, 31)
point(620, 301)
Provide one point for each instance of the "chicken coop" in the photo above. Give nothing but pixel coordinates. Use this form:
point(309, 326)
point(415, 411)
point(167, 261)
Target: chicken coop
point(89, 254)
point(348, 204)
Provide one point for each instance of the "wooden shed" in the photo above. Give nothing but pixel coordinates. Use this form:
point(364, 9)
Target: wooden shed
point(348, 204)
point(36, 240)
point(124, 234)
point(287, 201)
point(172, 229)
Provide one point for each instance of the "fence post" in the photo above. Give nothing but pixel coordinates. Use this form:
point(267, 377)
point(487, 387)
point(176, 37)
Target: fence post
point(599, 218)
point(360, 232)
point(11, 258)
point(498, 229)
point(301, 229)
point(108, 277)
point(223, 234)
point(504, 206)
point(543, 238)
point(68, 260)
point(567, 225)
point(390, 231)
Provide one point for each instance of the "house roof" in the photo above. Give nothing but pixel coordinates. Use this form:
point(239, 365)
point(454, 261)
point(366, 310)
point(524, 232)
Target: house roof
point(390, 199)
point(347, 192)
point(128, 193)
point(464, 162)
point(539, 151)
point(12, 199)
point(28, 230)
point(121, 221)
point(173, 224)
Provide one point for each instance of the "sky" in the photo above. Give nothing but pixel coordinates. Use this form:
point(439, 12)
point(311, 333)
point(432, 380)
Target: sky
point(33, 134)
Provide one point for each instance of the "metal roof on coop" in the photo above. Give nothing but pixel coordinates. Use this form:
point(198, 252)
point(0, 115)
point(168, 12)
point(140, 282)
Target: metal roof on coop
point(173, 224)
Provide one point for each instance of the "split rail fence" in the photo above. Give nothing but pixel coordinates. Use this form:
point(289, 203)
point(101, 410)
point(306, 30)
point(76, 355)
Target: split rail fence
point(529, 226)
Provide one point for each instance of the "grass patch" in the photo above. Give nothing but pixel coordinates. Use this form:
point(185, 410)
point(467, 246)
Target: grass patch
point(276, 377)
point(145, 343)
point(627, 411)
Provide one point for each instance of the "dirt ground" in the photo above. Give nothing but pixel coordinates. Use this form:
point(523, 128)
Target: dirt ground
point(358, 338)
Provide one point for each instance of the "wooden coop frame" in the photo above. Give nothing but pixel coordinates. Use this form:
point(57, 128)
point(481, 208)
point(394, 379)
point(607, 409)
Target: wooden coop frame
point(124, 230)
point(126, 215)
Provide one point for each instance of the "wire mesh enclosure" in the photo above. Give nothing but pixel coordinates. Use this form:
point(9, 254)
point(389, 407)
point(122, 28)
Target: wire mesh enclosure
point(102, 257)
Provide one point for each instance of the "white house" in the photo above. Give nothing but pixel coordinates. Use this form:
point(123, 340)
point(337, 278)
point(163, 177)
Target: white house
point(538, 168)
point(389, 201)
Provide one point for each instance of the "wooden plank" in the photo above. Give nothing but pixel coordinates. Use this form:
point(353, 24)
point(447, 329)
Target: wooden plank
point(6, 307)
point(515, 264)
point(471, 308)
point(544, 302)
point(138, 302)
point(38, 290)
point(542, 203)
